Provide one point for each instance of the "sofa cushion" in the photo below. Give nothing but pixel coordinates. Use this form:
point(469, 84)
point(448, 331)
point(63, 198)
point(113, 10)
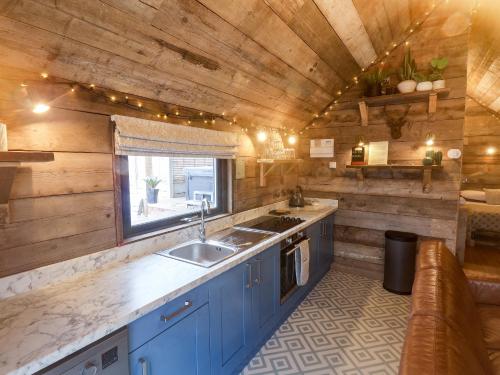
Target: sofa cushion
point(485, 286)
point(490, 320)
point(434, 254)
point(446, 295)
point(432, 347)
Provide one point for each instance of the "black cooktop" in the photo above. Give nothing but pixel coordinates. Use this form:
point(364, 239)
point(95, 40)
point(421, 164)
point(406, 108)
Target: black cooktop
point(271, 223)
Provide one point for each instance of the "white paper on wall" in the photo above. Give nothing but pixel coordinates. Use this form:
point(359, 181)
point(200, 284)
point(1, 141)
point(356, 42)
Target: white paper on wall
point(3, 137)
point(378, 153)
point(322, 148)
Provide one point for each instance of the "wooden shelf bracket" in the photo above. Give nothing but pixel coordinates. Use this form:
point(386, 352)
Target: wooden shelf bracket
point(417, 96)
point(269, 165)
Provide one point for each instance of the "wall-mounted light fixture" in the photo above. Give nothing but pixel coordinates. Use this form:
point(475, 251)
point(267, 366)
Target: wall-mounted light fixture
point(360, 141)
point(491, 150)
point(292, 139)
point(261, 136)
point(429, 139)
point(40, 108)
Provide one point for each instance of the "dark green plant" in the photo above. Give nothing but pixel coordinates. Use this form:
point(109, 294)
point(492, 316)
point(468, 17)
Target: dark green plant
point(408, 67)
point(376, 77)
point(421, 77)
point(152, 182)
point(438, 65)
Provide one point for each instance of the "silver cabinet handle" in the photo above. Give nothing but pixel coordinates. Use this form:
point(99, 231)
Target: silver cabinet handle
point(249, 276)
point(144, 366)
point(258, 279)
point(187, 305)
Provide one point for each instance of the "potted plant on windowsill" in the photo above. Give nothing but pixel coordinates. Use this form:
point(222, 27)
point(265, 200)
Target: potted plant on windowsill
point(424, 84)
point(438, 65)
point(151, 189)
point(407, 74)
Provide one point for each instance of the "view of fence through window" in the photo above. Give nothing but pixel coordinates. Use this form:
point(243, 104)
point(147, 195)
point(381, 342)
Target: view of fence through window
point(165, 187)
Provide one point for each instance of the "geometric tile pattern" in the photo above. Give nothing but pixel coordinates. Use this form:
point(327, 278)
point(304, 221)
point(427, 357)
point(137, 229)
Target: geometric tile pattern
point(347, 325)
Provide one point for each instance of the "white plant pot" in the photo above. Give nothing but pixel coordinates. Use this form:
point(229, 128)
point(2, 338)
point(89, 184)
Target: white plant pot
point(424, 86)
point(439, 84)
point(407, 86)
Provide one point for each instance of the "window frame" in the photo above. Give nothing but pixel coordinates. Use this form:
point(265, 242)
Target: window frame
point(129, 231)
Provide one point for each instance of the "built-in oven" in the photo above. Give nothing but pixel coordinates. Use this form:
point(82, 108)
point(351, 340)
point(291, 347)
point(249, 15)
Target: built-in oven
point(288, 269)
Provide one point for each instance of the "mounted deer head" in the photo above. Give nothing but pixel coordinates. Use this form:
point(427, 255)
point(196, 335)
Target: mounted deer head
point(395, 122)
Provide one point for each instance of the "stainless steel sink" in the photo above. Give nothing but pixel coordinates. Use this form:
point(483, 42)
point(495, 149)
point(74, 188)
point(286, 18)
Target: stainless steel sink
point(205, 254)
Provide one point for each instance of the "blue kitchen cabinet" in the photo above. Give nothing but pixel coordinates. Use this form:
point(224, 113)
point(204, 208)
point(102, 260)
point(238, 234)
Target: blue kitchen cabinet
point(314, 233)
point(325, 253)
point(230, 318)
point(183, 348)
point(265, 293)
point(244, 303)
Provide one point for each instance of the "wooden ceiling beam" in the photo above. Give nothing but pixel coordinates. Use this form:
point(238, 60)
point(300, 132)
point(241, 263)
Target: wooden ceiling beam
point(305, 19)
point(258, 21)
point(345, 20)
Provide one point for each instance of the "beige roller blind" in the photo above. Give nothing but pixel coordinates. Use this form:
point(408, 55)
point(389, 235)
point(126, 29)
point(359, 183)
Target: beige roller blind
point(134, 136)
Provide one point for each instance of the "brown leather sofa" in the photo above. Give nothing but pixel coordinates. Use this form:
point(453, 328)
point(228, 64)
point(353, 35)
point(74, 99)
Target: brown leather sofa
point(454, 324)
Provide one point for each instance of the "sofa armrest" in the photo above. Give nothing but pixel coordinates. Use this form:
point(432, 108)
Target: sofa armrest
point(485, 287)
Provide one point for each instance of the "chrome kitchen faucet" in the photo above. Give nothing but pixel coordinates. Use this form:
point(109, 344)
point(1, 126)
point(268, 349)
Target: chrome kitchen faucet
point(204, 206)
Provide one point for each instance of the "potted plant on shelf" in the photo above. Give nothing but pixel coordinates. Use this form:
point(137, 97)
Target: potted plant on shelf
point(407, 74)
point(438, 65)
point(151, 188)
point(373, 82)
point(423, 82)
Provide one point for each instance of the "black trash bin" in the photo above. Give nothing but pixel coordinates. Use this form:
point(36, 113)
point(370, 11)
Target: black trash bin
point(399, 265)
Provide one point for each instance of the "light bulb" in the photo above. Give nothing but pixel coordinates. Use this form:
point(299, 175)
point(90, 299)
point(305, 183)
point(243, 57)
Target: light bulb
point(429, 139)
point(292, 139)
point(261, 136)
point(491, 150)
point(40, 108)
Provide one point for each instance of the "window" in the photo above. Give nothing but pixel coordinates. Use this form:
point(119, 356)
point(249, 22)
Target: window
point(159, 192)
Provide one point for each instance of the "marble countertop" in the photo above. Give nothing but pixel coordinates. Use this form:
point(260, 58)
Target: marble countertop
point(40, 327)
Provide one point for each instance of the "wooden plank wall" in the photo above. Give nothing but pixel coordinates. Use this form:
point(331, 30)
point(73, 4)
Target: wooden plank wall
point(66, 208)
point(482, 130)
point(247, 193)
point(394, 200)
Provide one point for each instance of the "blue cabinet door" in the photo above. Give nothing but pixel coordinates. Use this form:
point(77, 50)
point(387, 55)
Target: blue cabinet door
point(314, 234)
point(230, 318)
point(184, 348)
point(325, 254)
point(265, 292)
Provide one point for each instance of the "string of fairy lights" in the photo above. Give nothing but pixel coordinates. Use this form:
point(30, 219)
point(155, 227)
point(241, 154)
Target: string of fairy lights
point(188, 116)
point(180, 115)
point(168, 112)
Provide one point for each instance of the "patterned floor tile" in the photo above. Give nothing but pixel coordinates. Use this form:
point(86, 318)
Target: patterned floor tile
point(348, 325)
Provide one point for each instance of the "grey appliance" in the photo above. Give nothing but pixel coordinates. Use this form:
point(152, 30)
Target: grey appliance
point(108, 356)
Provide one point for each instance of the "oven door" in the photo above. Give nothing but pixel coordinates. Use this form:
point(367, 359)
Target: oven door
point(288, 278)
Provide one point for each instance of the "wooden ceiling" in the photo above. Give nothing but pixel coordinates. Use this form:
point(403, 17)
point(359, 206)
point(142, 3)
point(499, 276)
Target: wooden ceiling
point(266, 62)
point(483, 80)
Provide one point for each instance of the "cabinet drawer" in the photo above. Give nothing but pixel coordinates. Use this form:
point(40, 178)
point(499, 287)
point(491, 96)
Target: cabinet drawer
point(157, 321)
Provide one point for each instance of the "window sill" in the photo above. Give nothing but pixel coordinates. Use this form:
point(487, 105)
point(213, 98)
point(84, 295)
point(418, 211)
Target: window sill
point(160, 232)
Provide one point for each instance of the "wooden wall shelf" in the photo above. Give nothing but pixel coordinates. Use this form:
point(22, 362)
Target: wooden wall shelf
point(417, 96)
point(268, 165)
point(426, 172)
point(9, 162)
